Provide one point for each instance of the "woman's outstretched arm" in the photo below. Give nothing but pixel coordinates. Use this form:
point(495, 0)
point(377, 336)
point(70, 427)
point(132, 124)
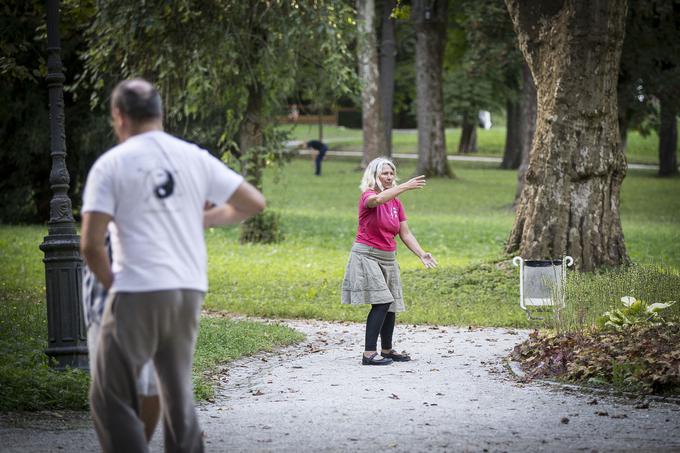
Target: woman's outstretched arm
point(411, 242)
point(389, 194)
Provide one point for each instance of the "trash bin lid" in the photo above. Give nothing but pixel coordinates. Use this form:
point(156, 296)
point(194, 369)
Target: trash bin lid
point(542, 263)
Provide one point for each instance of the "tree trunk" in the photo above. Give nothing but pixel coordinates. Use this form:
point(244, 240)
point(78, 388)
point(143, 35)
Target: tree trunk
point(623, 133)
point(527, 114)
point(668, 138)
point(250, 138)
point(388, 52)
point(468, 135)
point(623, 104)
point(430, 19)
point(512, 154)
point(320, 118)
point(264, 227)
point(374, 137)
point(570, 201)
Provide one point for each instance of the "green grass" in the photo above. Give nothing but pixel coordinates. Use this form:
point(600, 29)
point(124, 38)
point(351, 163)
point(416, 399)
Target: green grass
point(591, 295)
point(301, 276)
point(222, 340)
point(26, 380)
point(641, 149)
point(464, 222)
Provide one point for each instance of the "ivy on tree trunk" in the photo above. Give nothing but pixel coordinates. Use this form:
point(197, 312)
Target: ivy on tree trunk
point(264, 227)
point(570, 201)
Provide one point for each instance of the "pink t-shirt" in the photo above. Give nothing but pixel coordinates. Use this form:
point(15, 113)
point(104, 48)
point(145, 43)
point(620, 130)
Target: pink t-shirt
point(378, 226)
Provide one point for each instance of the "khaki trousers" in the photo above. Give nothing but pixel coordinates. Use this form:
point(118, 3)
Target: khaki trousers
point(136, 327)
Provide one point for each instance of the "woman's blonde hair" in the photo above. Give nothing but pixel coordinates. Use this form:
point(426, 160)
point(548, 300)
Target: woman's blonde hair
point(370, 179)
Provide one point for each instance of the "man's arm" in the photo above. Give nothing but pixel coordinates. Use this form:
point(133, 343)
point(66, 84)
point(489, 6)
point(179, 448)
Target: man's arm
point(93, 246)
point(243, 204)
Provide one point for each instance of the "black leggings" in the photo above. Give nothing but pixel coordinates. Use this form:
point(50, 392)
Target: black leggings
point(379, 321)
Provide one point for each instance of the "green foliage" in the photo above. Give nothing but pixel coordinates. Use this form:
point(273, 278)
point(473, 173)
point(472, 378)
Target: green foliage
point(217, 56)
point(650, 61)
point(26, 380)
point(28, 383)
point(401, 11)
point(326, 72)
point(205, 56)
point(264, 228)
point(589, 296)
point(24, 124)
point(634, 312)
point(643, 359)
point(482, 62)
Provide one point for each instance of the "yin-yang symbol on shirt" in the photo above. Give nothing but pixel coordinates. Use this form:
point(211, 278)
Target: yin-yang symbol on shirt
point(164, 183)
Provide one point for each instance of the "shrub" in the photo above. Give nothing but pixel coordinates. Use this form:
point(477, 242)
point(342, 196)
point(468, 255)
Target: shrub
point(589, 295)
point(634, 312)
point(264, 228)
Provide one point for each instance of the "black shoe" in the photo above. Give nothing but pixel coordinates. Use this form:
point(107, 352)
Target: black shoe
point(395, 356)
point(371, 360)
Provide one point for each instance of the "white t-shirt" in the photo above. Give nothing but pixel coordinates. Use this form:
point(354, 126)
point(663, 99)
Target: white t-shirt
point(155, 187)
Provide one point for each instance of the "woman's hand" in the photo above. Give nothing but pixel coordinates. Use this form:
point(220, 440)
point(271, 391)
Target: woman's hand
point(428, 260)
point(414, 183)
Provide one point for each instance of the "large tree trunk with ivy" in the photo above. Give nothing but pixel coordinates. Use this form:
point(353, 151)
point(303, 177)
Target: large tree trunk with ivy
point(527, 114)
point(668, 137)
point(263, 227)
point(430, 19)
point(372, 124)
point(388, 52)
point(570, 201)
point(468, 134)
point(512, 153)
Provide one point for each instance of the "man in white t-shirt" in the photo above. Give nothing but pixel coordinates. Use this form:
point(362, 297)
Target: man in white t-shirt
point(152, 188)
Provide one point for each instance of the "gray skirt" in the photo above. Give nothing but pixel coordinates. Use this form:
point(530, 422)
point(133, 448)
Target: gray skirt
point(372, 277)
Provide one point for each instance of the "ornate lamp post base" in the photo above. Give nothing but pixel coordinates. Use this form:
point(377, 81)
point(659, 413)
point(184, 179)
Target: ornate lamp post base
point(67, 338)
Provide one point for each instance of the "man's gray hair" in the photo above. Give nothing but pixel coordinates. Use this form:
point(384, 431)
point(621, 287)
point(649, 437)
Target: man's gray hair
point(370, 179)
point(138, 100)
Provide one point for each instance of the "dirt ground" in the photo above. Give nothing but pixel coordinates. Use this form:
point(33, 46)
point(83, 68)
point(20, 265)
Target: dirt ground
point(456, 395)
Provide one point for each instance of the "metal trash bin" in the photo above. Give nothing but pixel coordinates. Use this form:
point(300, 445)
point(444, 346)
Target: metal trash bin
point(541, 282)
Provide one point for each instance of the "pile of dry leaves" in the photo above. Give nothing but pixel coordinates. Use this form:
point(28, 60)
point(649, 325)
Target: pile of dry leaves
point(643, 359)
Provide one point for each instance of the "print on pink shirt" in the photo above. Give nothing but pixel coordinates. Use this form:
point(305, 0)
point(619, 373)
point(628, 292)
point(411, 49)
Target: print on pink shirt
point(378, 226)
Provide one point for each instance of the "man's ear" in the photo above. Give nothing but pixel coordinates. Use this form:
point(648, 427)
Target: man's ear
point(116, 116)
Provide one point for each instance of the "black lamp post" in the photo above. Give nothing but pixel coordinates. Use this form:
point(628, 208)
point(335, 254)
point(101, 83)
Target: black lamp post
point(67, 340)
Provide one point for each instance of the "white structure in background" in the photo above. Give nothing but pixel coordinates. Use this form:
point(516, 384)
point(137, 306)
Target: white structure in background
point(541, 282)
point(485, 119)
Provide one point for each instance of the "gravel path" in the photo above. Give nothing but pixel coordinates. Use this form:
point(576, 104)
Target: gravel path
point(455, 396)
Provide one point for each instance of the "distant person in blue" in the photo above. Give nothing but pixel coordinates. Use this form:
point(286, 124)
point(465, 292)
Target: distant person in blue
point(320, 149)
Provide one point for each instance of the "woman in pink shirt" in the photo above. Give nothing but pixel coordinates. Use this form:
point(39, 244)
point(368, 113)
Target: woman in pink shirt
point(372, 274)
